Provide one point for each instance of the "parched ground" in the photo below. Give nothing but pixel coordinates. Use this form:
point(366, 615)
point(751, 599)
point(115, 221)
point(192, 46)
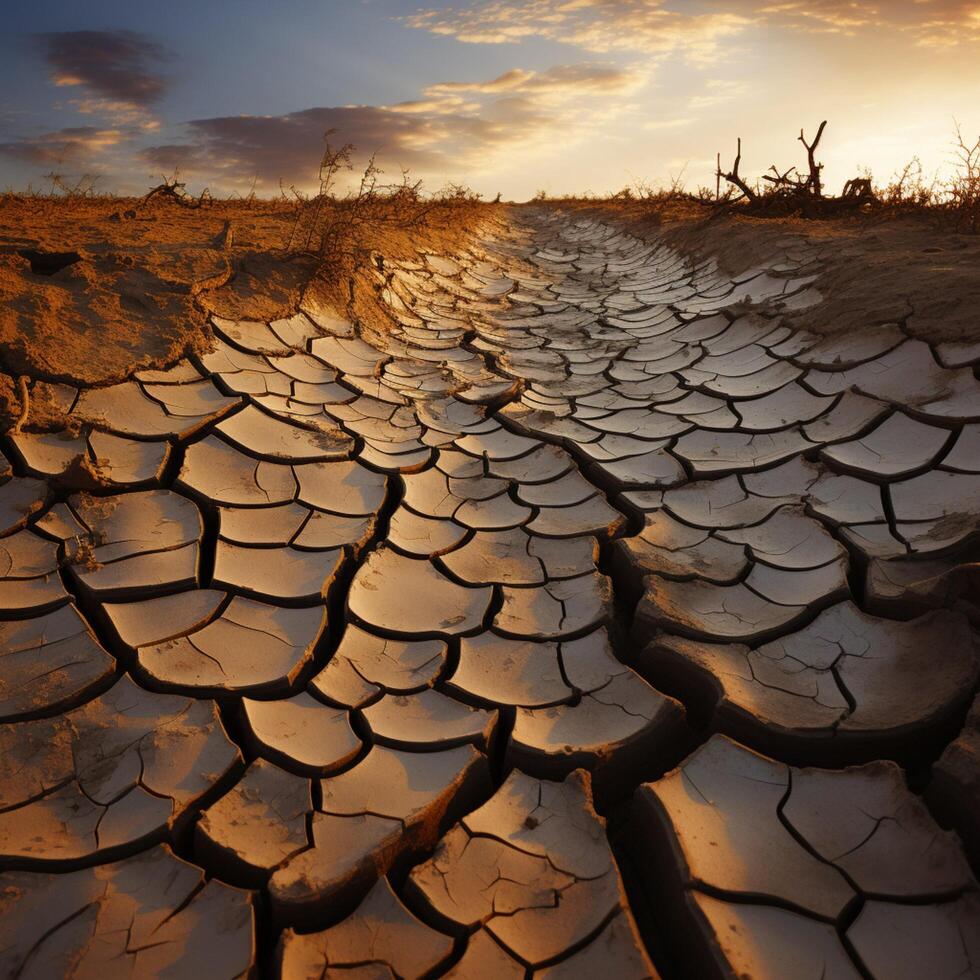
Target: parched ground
point(563, 594)
point(93, 290)
point(870, 270)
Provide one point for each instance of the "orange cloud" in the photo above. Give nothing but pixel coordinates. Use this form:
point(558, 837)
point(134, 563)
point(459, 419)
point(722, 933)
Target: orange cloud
point(596, 25)
point(453, 128)
point(72, 145)
point(652, 27)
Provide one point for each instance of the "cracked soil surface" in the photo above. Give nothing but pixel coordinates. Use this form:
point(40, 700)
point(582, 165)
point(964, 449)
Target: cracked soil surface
point(590, 618)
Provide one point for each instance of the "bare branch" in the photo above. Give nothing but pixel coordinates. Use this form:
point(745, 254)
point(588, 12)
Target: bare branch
point(175, 190)
point(814, 181)
point(733, 176)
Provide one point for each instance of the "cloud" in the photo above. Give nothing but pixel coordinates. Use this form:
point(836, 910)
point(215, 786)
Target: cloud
point(236, 148)
point(451, 128)
point(115, 74)
point(454, 128)
point(717, 91)
point(71, 146)
point(654, 28)
point(926, 21)
point(828, 17)
point(596, 25)
point(675, 123)
point(948, 24)
point(584, 77)
point(115, 65)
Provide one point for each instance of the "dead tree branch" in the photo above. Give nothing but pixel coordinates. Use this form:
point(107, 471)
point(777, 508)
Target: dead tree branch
point(175, 190)
point(784, 180)
point(858, 189)
point(733, 176)
point(814, 182)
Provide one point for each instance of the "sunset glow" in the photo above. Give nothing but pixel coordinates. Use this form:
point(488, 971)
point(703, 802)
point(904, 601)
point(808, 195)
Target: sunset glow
point(560, 95)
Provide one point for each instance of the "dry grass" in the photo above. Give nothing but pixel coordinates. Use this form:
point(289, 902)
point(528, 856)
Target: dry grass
point(78, 187)
point(348, 235)
point(342, 230)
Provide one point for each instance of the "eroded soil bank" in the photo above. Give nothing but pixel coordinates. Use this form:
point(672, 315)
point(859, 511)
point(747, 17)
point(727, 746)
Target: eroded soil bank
point(93, 290)
point(868, 271)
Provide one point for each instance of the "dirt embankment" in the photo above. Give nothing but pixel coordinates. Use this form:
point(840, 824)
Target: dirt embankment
point(93, 290)
point(869, 271)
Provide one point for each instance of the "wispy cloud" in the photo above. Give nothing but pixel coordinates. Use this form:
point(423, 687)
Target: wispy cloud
point(949, 22)
point(827, 17)
point(75, 145)
point(452, 128)
point(596, 25)
point(675, 123)
point(717, 91)
point(656, 28)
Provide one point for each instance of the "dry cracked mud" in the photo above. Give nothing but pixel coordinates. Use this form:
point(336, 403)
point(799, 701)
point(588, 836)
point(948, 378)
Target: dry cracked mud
point(588, 620)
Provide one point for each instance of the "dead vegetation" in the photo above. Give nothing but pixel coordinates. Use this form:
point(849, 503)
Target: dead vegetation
point(790, 192)
point(342, 228)
point(175, 190)
point(952, 203)
point(94, 286)
point(358, 221)
point(794, 193)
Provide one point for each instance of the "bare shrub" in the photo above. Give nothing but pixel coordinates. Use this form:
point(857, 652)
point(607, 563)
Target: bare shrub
point(735, 178)
point(292, 194)
point(780, 193)
point(83, 186)
point(338, 228)
point(909, 189)
point(963, 189)
point(952, 203)
point(175, 190)
point(249, 197)
point(62, 187)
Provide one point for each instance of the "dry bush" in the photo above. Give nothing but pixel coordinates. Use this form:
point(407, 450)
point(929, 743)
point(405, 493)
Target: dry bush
point(341, 229)
point(291, 194)
point(962, 192)
point(952, 203)
point(908, 188)
point(175, 190)
point(640, 198)
point(658, 199)
point(83, 186)
point(62, 187)
point(782, 193)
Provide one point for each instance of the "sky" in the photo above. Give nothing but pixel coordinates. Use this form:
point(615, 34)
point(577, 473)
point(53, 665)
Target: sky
point(508, 96)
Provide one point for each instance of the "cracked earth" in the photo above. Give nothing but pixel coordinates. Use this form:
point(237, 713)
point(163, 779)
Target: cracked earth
point(590, 620)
